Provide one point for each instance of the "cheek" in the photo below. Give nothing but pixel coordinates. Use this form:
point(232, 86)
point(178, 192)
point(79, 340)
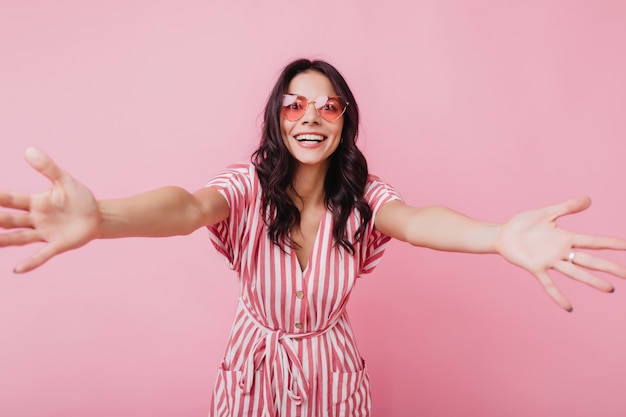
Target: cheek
point(284, 131)
point(339, 130)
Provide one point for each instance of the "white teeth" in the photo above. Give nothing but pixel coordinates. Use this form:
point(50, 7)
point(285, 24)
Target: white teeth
point(311, 137)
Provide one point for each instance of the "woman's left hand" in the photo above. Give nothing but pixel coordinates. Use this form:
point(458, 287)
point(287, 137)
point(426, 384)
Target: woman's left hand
point(533, 241)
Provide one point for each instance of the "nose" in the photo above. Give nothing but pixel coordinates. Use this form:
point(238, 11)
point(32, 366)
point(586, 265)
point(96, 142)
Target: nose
point(311, 115)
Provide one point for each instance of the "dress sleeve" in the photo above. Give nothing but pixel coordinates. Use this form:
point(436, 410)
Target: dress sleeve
point(235, 184)
point(377, 194)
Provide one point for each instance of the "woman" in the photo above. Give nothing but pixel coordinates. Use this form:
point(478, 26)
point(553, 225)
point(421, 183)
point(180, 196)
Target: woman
point(298, 225)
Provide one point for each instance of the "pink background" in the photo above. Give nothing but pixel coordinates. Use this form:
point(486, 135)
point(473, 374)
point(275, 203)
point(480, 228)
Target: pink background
point(488, 107)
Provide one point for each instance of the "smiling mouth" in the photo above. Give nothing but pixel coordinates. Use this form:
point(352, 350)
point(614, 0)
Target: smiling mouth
point(310, 138)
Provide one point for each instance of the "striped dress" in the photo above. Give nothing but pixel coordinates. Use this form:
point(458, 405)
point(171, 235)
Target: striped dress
point(291, 351)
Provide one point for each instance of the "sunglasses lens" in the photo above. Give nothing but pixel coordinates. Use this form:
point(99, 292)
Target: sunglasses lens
point(330, 108)
point(293, 107)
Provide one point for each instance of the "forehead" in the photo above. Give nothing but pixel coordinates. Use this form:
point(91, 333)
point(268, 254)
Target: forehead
point(311, 84)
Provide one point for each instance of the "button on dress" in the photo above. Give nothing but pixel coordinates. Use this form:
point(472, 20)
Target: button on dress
point(291, 351)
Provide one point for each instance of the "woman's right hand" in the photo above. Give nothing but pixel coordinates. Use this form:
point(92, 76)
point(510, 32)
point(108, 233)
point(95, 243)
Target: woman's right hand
point(65, 217)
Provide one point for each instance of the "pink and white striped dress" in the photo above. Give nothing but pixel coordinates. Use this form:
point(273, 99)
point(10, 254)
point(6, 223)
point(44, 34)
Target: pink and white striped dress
point(291, 351)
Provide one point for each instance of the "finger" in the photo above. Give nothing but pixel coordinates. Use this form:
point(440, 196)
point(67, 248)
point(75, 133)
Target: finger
point(598, 242)
point(19, 238)
point(599, 264)
point(553, 291)
point(44, 164)
point(15, 220)
point(36, 260)
point(581, 275)
point(574, 205)
point(15, 201)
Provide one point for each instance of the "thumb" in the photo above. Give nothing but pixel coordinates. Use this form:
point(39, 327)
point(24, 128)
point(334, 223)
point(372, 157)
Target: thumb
point(571, 206)
point(44, 164)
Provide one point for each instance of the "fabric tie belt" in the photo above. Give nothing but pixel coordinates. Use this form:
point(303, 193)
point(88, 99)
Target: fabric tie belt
point(278, 350)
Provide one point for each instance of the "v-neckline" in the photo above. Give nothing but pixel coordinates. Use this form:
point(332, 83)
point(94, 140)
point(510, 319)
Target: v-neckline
point(294, 254)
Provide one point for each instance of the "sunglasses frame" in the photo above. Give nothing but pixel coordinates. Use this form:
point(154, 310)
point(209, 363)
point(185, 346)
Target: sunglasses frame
point(317, 109)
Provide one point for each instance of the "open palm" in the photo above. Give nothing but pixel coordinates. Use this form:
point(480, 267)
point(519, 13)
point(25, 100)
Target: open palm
point(532, 240)
point(65, 217)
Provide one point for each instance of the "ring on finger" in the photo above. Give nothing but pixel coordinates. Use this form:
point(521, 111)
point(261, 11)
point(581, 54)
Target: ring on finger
point(571, 256)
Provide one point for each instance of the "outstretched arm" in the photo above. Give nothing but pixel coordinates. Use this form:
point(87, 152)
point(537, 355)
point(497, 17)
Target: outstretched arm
point(167, 211)
point(531, 240)
point(68, 216)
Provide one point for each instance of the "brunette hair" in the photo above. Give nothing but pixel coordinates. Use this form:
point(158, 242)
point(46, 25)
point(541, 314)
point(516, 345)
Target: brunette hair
point(347, 174)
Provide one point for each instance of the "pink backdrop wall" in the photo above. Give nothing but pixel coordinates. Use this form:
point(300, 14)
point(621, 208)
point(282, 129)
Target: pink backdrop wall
point(488, 107)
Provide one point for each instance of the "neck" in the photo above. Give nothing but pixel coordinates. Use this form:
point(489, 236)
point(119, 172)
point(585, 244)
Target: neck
point(308, 184)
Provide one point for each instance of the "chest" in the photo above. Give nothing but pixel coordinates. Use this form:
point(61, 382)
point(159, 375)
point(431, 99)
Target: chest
point(307, 284)
point(306, 233)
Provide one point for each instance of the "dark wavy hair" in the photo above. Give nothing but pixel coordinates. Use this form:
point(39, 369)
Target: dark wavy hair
point(347, 174)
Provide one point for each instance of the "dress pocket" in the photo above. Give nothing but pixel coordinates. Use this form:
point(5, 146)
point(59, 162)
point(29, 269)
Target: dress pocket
point(350, 392)
point(229, 399)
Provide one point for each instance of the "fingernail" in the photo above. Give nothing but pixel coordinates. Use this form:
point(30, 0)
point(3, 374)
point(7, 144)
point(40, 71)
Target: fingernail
point(570, 310)
point(612, 289)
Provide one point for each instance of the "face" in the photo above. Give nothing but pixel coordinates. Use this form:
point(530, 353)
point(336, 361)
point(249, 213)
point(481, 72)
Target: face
point(311, 140)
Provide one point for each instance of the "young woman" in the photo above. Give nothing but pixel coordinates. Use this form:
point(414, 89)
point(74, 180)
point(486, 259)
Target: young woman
point(299, 225)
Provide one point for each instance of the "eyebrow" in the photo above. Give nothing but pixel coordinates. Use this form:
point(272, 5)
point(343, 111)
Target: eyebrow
point(309, 99)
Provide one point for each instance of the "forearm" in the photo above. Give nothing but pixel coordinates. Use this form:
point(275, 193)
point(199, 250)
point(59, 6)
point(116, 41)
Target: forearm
point(437, 227)
point(441, 228)
point(166, 211)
